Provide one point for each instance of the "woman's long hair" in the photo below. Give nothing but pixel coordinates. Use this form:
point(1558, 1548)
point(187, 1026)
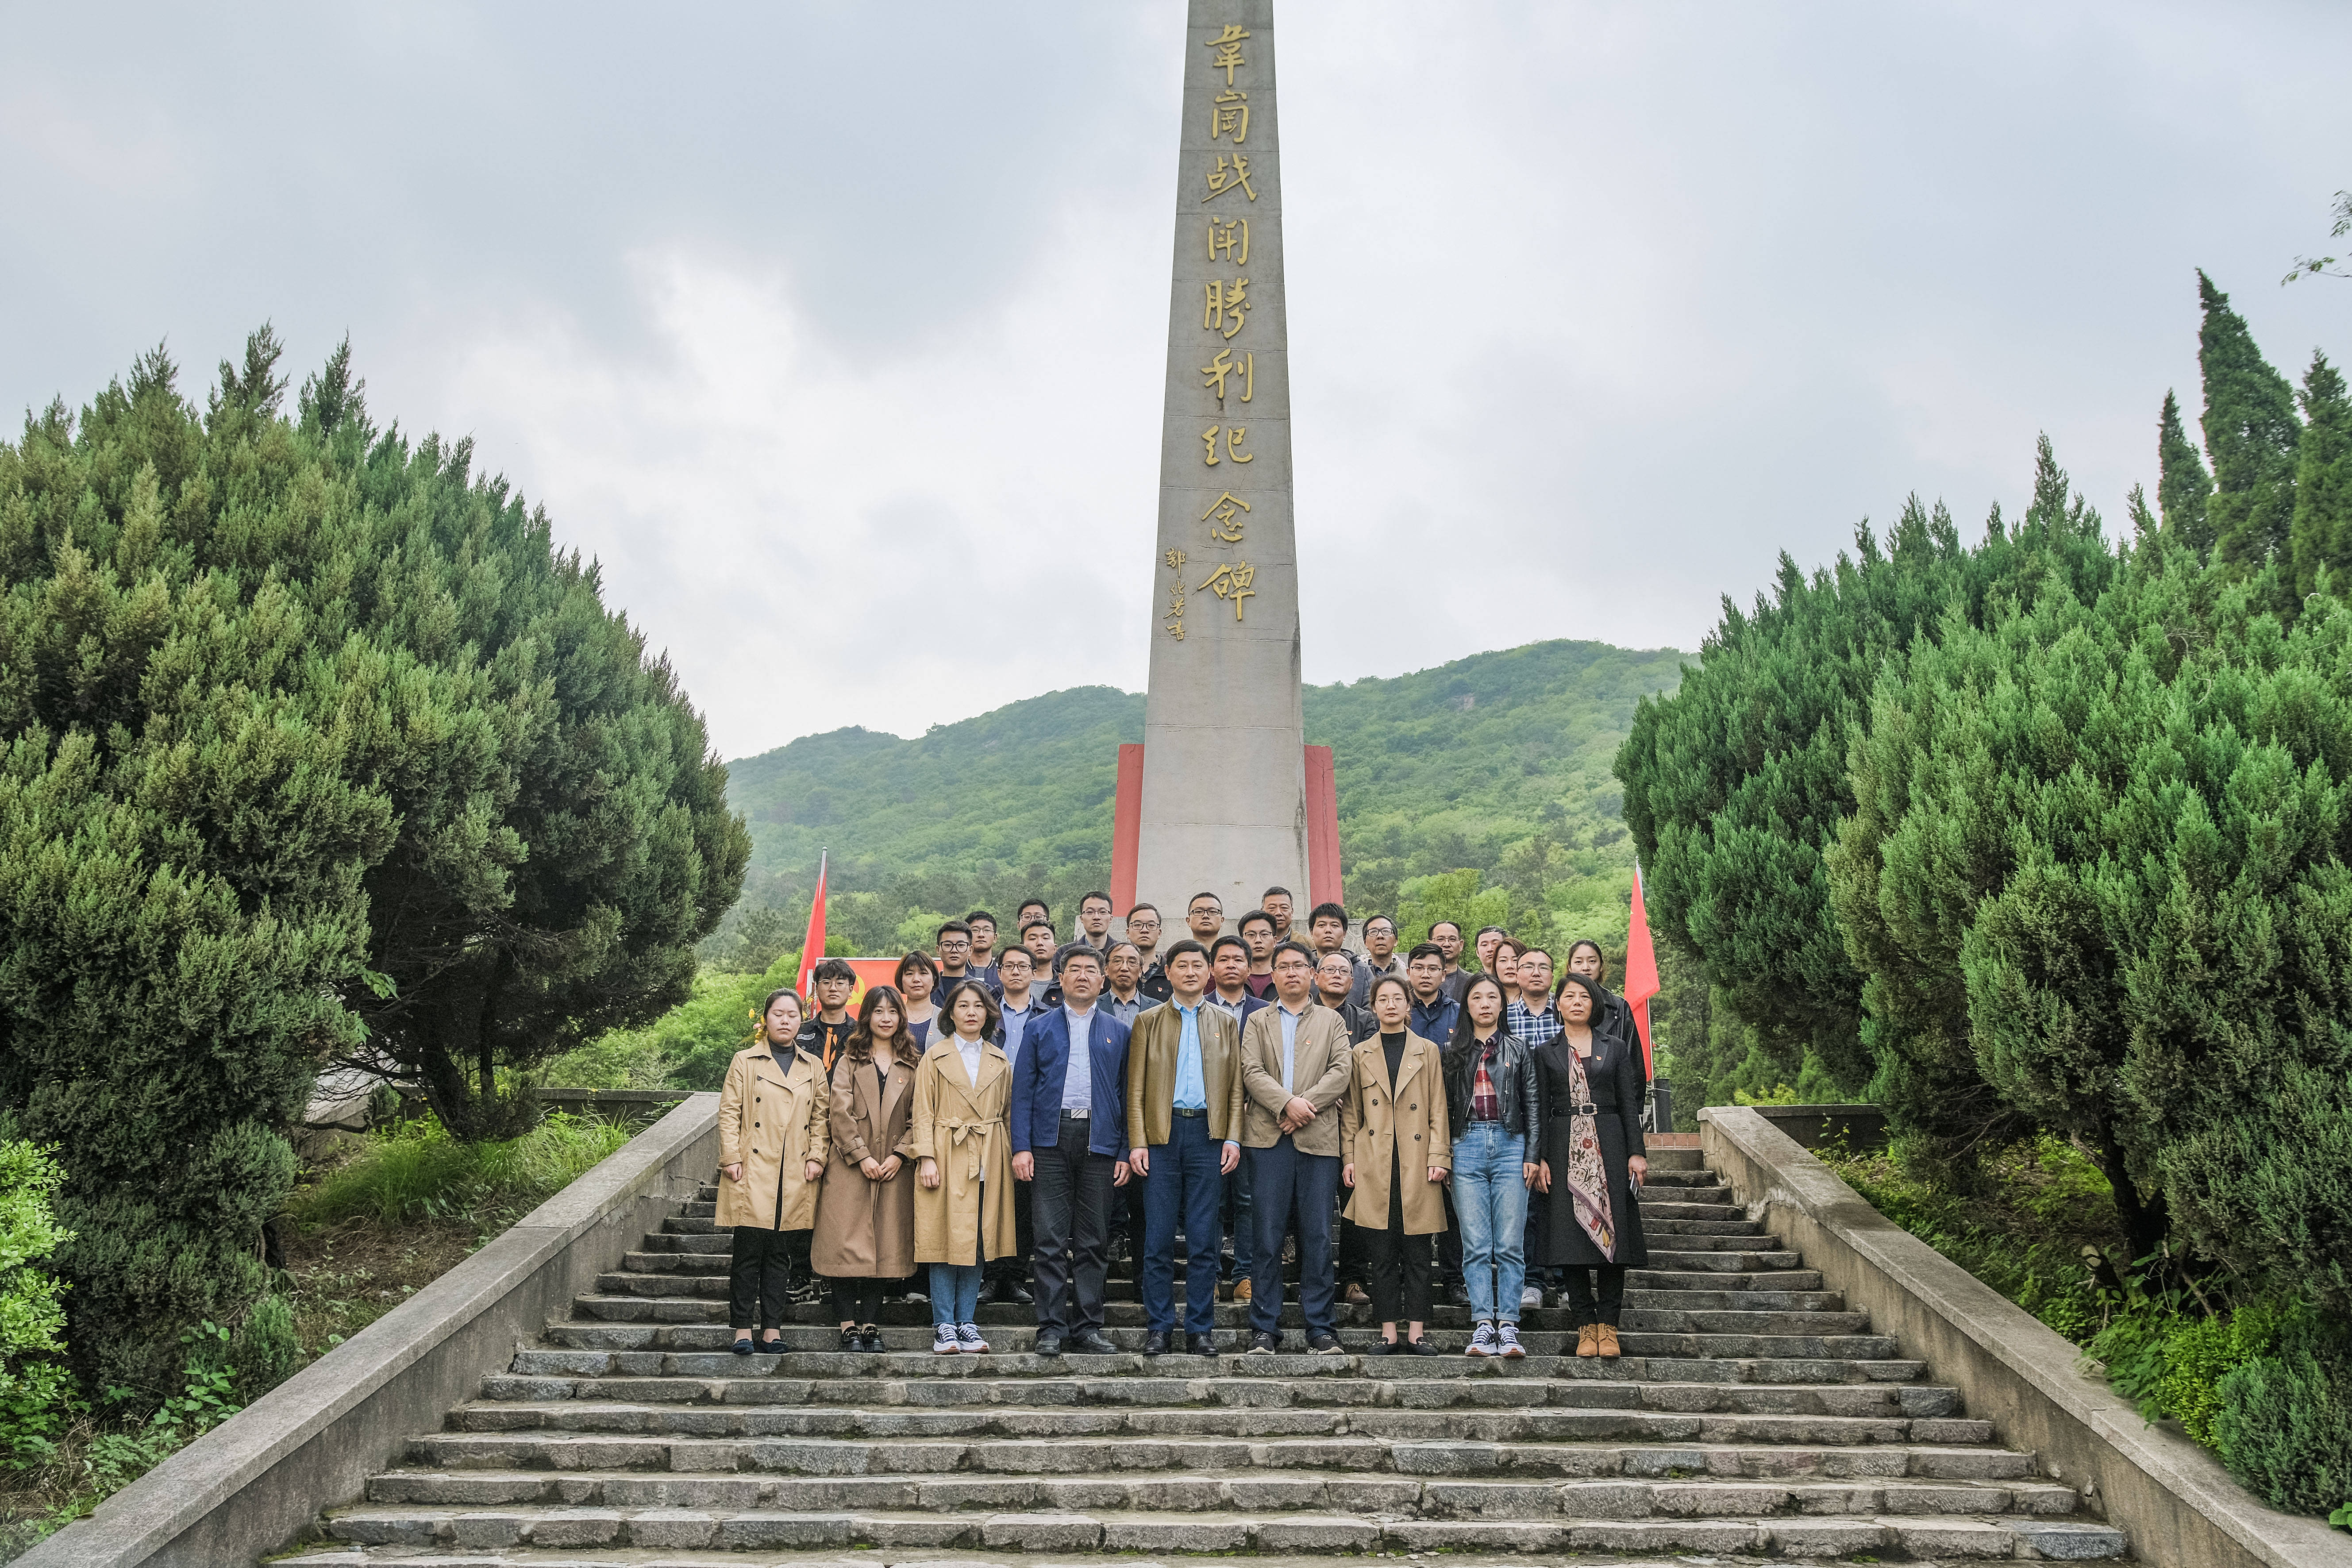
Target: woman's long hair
point(859, 1046)
point(1460, 1056)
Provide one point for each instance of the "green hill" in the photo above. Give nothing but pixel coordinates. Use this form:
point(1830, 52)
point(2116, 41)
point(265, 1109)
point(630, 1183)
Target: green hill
point(1498, 763)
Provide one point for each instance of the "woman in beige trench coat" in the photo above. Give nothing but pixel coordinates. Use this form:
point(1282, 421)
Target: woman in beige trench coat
point(771, 1150)
point(1395, 1137)
point(865, 1214)
point(963, 1208)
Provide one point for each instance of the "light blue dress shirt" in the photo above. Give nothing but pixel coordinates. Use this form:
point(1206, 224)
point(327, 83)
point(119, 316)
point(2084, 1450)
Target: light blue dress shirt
point(1290, 1043)
point(1017, 1025)
point(1192, 1092)
point(1078, 1073)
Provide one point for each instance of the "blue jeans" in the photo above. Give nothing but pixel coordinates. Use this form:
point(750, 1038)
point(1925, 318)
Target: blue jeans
point(955, 1293)
point(1490, 1198)
point(1291, 1192)
point(1184, 1185)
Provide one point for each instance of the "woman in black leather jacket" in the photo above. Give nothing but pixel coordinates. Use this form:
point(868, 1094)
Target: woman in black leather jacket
point(1491, 1095)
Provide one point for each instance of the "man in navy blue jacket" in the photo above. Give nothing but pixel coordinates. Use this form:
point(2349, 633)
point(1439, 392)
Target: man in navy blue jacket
point(1069, 1143)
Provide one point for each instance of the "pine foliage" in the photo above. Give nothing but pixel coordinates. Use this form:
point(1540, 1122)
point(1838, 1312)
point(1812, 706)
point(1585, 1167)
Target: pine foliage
point(311, 744)
point(2251, 433)
point(2323, 481)
point(2184, 490)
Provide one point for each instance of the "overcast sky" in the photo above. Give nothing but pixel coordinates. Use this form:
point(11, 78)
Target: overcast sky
point(836, 331)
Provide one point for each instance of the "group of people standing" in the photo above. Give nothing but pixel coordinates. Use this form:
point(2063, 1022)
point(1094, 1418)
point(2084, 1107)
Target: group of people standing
point(995, 1119)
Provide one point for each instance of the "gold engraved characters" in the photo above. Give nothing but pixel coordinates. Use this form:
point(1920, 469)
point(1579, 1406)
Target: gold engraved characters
point(1229, 240)
point(1233, 436)
point(1242, 371)
point(1175, 616)
point(1228, 306)
point(1224, 177)
point(1223, 518)
point(1232, 581)
point(1230, 112)
point(1228, 55)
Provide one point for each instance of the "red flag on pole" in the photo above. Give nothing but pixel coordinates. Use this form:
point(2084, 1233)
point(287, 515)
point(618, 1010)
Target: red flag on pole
point(812, 946)
point(1641, 969)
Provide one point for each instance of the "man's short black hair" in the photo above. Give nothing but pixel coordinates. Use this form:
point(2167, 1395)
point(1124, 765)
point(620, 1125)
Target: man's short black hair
point(1139, 909)
point(1069, 951)
point(1034, 904)
point(1300, 947)
point(951, 928)
point(1456, 924)
point(1327, 912)
point(833, 969)
point(1225, 942)
point(1498, 930)
point(1047, 926)
point(980, 915)
point(1119, 942)
point(1425, 950)
point(1244, 924)
point(1025, 956)
point(1085, 898)
point(1198, 896)
point(1180, 948)
point(1384, 920)
point(1271, 891)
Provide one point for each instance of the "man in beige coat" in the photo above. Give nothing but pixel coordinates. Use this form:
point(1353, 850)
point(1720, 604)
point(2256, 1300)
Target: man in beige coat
point(1185, 1123)
point(1295, 1068)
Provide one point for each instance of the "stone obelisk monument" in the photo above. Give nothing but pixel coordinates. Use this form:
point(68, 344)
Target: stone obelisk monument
point(1223, 798)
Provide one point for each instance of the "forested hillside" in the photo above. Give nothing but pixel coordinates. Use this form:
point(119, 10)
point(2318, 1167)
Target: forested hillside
point(1499, 762)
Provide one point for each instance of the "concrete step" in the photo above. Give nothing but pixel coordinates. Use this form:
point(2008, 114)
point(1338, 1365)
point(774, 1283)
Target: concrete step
point(1686, 1271)
point(569, 1436)
point(1107, 1529)
point(655, 1378)
point(1352, 1491)
point(911, 1357)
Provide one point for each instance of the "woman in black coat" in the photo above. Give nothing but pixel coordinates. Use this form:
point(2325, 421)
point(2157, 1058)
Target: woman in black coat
point(1591, 1081)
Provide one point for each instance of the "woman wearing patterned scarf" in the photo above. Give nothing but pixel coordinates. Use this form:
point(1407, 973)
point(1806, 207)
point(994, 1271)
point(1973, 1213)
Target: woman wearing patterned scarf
point(1591, 1081)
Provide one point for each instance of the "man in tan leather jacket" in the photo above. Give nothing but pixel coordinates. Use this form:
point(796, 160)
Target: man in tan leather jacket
point(1295, 1068)
point(1184, 1121)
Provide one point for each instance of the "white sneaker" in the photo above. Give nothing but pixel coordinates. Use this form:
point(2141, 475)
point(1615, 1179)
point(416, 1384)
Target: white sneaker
point(1530, 1297)
point(1482, 1343)
point(969, 1341)
point(944, 1341)
point(1507, 1337)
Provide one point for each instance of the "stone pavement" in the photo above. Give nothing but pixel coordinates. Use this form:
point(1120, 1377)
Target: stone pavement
point(1751, 1416)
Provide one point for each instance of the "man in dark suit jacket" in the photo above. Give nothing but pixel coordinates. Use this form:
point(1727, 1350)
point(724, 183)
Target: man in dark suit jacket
point(1070, 1143)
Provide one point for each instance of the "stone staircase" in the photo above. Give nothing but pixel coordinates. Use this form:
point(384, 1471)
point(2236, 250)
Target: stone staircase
point(1751, 1415)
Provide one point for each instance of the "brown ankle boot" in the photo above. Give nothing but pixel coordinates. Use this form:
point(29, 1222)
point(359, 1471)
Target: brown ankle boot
point(1606, 1334)
point(1588, 1341)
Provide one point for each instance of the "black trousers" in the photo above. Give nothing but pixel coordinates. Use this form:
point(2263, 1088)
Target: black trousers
point(1449, 1241)
point(1351, 1270)
point(759, 1270)
point(1015, 1266)
point(1073, 1203)
point(1398, 1263)
point(858, 1300)
point(1582, 1308)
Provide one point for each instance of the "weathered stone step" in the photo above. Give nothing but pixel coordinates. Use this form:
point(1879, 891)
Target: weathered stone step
point(541, 1377)
point(1116, 1530)
point(1578, 1442)
point(1658, 1276)
point(1620, 1498)
point(911, 1357)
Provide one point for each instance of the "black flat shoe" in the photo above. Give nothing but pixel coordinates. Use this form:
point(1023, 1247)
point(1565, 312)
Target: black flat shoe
point(772, 1347)
point(743, 1345)
point(1092, 1343)
point(1419, 1347)
point(870, 1340)
point(852, 1341)
point(1155, 1343)
point(1202, 1345)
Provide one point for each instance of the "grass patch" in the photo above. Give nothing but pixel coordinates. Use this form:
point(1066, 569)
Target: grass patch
point(417, 1172)
point(2037, 1223)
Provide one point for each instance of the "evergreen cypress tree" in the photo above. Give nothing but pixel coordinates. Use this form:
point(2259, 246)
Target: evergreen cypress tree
point(2250, 432)
point(2323, 481)
point(310, 741)
point(2183, 492)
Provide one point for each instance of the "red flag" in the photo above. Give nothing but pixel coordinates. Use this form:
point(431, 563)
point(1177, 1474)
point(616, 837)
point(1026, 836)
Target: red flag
point(813, 945)
point(1641, 969)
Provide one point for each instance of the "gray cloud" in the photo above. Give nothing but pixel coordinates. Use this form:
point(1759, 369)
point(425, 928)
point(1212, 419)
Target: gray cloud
point(835, 331)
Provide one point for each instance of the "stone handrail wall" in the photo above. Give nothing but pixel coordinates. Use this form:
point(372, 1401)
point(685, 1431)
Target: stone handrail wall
point(255, 1484)
point(2177, 1505)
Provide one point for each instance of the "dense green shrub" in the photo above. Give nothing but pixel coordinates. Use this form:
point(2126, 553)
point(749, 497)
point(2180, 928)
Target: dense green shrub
point(34, 1388)
point(417, 1171)
point(311, 744)
point(2284, 1426)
